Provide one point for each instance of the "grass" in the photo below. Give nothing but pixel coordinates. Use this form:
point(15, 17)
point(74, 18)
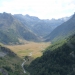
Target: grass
point(30, 47)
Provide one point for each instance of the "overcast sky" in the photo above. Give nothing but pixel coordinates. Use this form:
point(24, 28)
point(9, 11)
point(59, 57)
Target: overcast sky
point(44, 9)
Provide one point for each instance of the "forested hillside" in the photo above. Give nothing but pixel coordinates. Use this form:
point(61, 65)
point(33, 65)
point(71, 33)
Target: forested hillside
point(58, 59)
point(10, 63)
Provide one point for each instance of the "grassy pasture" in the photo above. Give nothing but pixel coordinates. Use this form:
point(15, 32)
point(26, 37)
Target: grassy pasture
point(31, 47)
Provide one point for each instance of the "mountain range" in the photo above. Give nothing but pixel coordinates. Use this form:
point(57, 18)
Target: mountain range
point(12, 30)
point(63, 31)
point(41, 27)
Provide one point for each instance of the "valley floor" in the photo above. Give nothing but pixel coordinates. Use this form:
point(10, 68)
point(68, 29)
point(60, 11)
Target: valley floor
point(33, 48)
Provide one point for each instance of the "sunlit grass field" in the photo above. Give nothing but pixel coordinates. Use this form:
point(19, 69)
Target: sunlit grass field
point(33, 48)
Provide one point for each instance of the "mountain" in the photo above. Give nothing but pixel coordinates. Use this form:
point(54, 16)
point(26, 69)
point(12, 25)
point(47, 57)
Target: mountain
point(10, 63)
point(41, 27)
point(58, 59)
point(64, 30)
point(11, 30)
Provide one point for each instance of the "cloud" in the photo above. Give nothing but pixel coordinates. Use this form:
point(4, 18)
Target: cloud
point(41, 8)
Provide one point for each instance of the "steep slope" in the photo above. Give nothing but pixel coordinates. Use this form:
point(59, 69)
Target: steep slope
point(11, 30)
point(39, 26)
point(58, 59)
point(10, 63)
point(64, 30)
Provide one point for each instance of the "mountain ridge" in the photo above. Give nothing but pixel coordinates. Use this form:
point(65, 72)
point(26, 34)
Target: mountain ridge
point(41, 27)
point(63, 31)
point(13, 29)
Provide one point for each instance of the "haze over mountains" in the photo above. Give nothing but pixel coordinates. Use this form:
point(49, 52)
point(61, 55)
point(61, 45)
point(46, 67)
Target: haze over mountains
point(11, 30)
point(41, 27)
point(63, 31)
point(14, 28)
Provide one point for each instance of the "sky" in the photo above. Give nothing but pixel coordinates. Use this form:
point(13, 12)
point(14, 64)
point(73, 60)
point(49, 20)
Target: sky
point(44, 9)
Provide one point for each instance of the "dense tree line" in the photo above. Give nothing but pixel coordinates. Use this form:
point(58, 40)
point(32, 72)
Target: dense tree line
point(55, 61)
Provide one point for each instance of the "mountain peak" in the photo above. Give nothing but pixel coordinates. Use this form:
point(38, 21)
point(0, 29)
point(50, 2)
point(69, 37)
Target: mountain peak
point(27, 15)
point(5, 15)
point(31, 17)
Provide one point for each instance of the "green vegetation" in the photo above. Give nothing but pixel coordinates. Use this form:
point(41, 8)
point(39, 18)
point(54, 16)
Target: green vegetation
point(8, 38)
point(0, 73)
point(56, 44)
point(10, 63)
point(58, 59)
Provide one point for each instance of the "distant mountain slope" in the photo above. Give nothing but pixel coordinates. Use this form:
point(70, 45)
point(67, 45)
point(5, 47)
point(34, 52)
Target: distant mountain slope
point(64, 30)
point(11, 30)
point(10, 63)
point(40, 27)
point(58, 59)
